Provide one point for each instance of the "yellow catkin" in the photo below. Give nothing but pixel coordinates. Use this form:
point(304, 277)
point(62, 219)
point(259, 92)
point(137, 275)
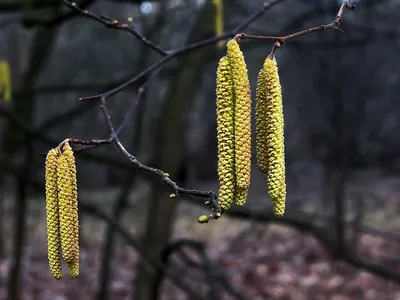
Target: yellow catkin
point(261, 124)
point(219, 20)
point(275, 137)
point(52, 215)
point(225, 133)
point(73, 269)
point(242, 97)
point(69, 154)
point(67, 211)
point(5, 81)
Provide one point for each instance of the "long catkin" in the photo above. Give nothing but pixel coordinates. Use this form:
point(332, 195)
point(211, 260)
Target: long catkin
point(242, 97)
point(275, 137)
point(69, 154)
point(67, 211)
point(52, 215)
point(261, 123)
point(225, 133)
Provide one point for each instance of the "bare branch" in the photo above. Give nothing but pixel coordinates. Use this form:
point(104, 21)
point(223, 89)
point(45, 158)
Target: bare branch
point(283, 39)
point(115, 24)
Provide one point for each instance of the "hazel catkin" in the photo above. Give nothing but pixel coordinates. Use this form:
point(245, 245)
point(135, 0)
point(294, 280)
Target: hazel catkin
point(275, 137)
point(225, 133)
point(68, 211)
point(261, 123)
point(52, 215)
point(242, 124)
point(69, 154)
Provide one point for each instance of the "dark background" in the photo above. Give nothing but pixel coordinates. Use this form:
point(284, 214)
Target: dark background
point(340, 88)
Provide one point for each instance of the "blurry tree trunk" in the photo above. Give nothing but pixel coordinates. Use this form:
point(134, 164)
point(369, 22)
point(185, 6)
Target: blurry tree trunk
point(12, 39)
point(18, 150)
point(170, 152)
point(336, 163)
point(122, 202)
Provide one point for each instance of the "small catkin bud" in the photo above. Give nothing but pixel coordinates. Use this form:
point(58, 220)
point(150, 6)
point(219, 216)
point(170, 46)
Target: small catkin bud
point(203, 219)
point(242, 98)
point(225, 133)
point(73, 269)
point(261, 124)
point(69, 154)
point(52, 215)
point(275, 137)
point(67, 210)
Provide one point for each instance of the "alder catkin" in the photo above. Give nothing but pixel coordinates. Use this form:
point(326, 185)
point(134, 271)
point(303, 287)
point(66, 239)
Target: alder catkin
point(67, 211)
point(242, 124)
point(261, 123)
point(275, 137)
point(225, 133)
point(52, 215)
point(69, 154)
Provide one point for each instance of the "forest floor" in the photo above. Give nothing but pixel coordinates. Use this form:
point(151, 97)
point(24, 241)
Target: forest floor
point(258, 261)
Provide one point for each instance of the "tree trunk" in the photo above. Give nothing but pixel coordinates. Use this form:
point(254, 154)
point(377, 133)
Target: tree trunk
point(18, 150)
point(170, 152)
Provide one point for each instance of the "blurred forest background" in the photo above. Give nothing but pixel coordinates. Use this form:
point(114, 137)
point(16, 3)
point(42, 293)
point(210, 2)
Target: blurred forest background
point(339, 238)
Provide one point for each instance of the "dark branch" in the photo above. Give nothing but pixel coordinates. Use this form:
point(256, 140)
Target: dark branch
point(283, 39)
point(186, 49)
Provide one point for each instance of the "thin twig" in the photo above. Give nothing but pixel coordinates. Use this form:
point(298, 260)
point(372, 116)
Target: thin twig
point(118, 25)
point(283, 39)
point(183, 50)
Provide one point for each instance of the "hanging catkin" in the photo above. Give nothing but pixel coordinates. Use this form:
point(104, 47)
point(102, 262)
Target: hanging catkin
point(52, 215)
point(274, 122)
point(261, 123)
point(242, 98)
point(225, 133)
point(69, 154)
point(68, 211)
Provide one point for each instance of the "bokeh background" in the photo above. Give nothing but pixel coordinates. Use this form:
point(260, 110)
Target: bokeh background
point(338, 239)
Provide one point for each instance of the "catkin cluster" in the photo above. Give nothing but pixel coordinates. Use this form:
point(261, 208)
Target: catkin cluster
point(233, 127)
point(62, 211)
point(270, 133)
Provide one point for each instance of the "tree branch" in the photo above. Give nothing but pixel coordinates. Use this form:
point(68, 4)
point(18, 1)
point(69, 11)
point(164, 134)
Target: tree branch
point(115, 24)
point(168, 55)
